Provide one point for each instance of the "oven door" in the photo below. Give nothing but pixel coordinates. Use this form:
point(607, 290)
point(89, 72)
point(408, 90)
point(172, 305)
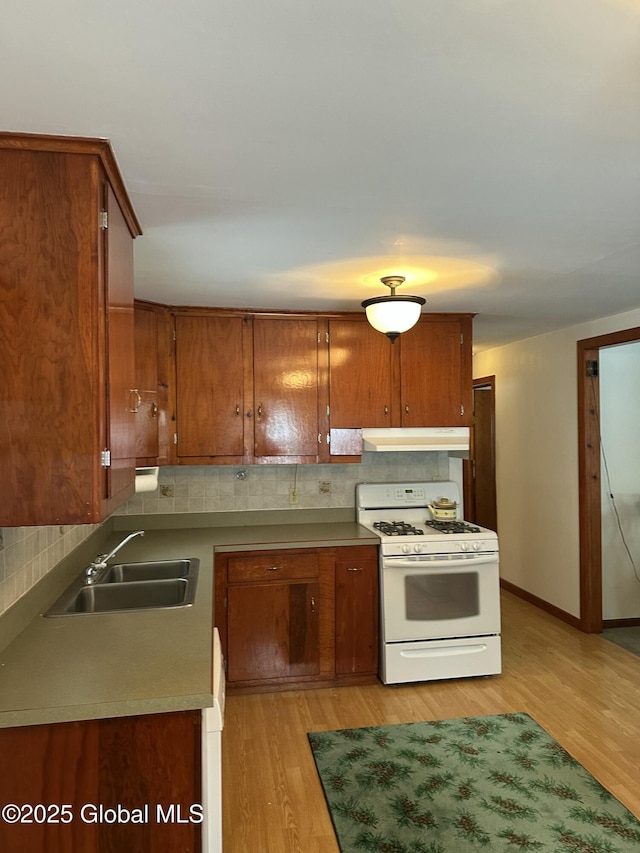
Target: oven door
point(432, 597)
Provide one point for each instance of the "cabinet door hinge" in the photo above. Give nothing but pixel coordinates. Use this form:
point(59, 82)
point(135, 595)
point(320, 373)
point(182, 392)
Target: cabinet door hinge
point(592, 368)
point(319, 438)
point(175, 438)
point(105, 458)
point(461, 338)
point(173, 335)
point(461, 411)
point(328, 410)
point(326, 337)
point(104, 220)
point(226, 602)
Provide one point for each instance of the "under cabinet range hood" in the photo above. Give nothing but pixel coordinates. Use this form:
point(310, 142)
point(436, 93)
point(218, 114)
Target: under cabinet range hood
point(454, 440)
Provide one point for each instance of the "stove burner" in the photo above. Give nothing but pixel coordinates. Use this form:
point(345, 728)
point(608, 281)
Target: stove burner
point(452, 527)
point(397, 528)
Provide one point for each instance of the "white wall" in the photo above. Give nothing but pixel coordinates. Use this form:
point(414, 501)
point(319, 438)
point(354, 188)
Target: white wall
point(537, 458)
point(620, 441)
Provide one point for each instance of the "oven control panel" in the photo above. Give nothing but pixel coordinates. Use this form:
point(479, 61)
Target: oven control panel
point(409, 495)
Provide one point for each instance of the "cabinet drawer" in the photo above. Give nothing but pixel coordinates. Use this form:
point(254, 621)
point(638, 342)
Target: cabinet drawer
point(274, 564)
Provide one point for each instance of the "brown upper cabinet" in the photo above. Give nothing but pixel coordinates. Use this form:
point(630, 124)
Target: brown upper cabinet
point(153, 341)
point(246, 388)
point(261, 387)
point(423, 379)
point(436, 373)
point(285, 375)
point(210, 388)
point(361, 362)
point(67, 430)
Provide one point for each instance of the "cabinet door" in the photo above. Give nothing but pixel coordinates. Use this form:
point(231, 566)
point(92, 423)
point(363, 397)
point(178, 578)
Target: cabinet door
point(148, 759)
point(120, 353)
point(147, 373)
point(285, 369)
point(273, 631)
point(209, 384)
point(435, 374)
point(356, 611)
point(66, 331)
point(359, 375)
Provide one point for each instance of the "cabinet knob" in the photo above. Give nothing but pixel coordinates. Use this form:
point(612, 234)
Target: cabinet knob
point(355, 569)
point(386, 410)
point(154, 410)
point(237, 410)
point(259, 411)
point(406, 408)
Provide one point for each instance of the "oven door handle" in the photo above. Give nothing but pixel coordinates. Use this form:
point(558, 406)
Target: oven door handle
point(426, 563)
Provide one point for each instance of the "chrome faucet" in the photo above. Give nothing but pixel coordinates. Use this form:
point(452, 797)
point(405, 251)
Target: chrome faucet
point(100, 562)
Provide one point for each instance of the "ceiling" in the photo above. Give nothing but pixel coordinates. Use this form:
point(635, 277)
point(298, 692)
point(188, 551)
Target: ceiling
point(286, 154)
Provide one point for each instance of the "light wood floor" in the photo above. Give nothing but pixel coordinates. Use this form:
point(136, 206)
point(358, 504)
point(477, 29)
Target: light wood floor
point(584, 690)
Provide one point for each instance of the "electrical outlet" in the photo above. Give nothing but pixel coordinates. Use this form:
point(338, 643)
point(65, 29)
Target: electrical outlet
point(293, 496)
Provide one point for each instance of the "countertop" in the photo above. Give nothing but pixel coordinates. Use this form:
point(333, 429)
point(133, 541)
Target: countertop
point(107, 665)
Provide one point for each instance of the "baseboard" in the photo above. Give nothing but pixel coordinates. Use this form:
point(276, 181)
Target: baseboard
point(621, 623)
point(569, 618)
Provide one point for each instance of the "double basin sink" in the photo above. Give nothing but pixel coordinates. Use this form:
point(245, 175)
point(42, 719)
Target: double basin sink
point(154, 585)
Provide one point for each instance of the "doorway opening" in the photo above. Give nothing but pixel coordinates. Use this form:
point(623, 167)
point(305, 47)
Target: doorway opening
point(480, 469)
point(590, 474)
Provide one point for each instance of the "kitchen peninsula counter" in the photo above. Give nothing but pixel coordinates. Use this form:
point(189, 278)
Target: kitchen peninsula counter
point(92, 666)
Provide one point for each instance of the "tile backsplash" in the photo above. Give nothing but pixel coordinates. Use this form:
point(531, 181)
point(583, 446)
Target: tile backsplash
point(28, 553)
point(221, 488)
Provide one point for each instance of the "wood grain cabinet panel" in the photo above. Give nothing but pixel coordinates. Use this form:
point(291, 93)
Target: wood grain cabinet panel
point(277, 565)
point(285, 374)
point(66, 331)
point(132, 761)
point(211, 406)
point(357, 605)
point(298, 617)
point(246, 388)
point(273, 630)
point(153, 343)
point(435, 373)
point(360, 361)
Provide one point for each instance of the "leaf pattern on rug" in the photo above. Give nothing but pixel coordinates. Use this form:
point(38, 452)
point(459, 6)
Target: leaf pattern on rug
point(499, 784)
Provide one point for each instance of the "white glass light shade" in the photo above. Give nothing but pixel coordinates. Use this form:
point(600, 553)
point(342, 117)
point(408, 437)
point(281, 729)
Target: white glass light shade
point(393, 315)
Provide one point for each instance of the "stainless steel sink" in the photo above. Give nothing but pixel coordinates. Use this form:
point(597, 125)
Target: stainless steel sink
point(158, 570)
point(155, 585)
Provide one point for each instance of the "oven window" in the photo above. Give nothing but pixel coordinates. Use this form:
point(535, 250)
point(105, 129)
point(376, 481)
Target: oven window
point(441, 596)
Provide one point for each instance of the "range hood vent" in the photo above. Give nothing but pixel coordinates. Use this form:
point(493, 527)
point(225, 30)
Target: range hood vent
point(454, 440)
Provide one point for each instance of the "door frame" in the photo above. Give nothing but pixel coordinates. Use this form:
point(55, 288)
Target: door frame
point(468, 465)
point(589, 474)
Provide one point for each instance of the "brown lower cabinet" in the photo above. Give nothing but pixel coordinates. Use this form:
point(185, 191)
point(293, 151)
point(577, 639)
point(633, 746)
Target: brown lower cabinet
point(299, 617)
point(103, 786)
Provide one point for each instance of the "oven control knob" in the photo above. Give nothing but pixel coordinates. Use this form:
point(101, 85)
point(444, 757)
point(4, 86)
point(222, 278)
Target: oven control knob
point(464, 546)
point(476, 546)
point(406, 549)
point(418, 549)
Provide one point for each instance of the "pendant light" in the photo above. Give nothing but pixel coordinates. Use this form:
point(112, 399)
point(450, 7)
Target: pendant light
point(393, 314)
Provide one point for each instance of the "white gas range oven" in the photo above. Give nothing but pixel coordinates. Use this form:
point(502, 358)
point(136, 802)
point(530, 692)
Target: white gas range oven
point(439, 584)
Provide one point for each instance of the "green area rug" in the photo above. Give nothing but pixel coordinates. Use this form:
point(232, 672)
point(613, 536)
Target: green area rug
point(499, 784)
